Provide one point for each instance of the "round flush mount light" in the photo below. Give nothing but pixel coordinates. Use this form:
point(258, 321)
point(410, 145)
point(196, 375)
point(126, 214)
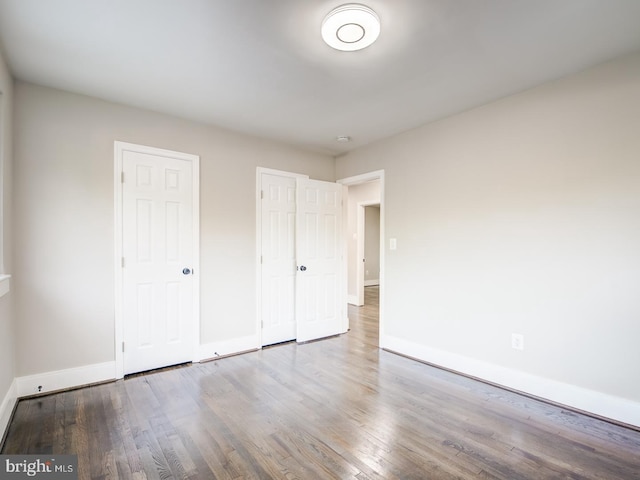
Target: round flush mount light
point(350, 27)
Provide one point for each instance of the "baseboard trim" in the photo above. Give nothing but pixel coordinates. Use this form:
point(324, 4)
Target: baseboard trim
point(65, 379)
point(372, 283)
point(5, 284)
point(353, 300)
point(6, 410)
point(225, 348)
point(601, 405)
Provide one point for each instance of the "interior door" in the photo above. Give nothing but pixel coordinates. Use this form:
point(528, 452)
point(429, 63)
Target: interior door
point(278, 217)
point(319, 299)
point(157, 274)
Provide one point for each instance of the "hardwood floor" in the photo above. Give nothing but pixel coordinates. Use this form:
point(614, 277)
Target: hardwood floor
point(337, 408)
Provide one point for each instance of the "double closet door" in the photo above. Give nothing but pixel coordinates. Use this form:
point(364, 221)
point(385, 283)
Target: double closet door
point(301, 259)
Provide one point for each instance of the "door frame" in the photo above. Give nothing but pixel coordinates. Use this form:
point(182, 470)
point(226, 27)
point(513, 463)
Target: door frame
point(357, 180)
point(259, 172)
point(119, 149)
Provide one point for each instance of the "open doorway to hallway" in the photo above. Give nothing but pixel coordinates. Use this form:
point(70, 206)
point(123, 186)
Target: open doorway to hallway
point(364, 317)
point(364, 227)
point(363, 249)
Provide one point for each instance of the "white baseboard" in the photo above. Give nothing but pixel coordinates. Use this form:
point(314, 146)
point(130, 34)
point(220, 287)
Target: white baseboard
point(63, 379)
point(5, 284)
point(6, 407)
point(372, 283)
point(591, 401)
point(353, 300)
point(229, 347)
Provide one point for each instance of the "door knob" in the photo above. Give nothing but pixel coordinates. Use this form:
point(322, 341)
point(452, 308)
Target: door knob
point(186, 271)
point(302, 268)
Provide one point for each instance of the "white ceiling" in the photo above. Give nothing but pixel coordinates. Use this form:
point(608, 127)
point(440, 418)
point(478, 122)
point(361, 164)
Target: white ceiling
point(260, 66)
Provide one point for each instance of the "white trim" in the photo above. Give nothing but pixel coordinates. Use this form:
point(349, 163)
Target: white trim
point(355, 180)
point(229, 347)
point(601, 404)
point(360, 229)
point(5, 284)
point(63, 379)
point(362, 178)
point(345, 259)
point(372, 283)
point(119, 149)
point(2, 185)
point(195, 206)
point(6, 407)
point(259, 172)
point(117, 259)
point(352, 300)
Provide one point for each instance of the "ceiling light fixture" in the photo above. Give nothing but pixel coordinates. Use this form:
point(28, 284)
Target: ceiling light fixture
point(350, 27)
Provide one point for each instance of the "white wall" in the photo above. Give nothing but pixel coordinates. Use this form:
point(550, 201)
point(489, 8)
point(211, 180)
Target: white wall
point(7, 363)
point(64, 221)
point(522, 216)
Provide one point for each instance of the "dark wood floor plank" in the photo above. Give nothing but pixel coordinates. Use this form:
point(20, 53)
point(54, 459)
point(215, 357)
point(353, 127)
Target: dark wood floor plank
point(337, 408)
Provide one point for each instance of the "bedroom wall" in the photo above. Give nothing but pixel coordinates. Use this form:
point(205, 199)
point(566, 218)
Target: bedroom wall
point(522, 216)
point(64, 221)
point(7, 358)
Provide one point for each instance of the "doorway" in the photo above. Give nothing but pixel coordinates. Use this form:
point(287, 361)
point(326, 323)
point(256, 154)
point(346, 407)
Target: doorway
point(371, 246)
point(364, 191)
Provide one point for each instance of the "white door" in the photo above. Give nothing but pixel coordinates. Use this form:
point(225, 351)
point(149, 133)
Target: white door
point(278, 275)
point(319, 298)
point(158, 261)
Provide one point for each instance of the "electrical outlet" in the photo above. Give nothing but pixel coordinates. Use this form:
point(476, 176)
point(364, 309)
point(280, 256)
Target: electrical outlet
point(517, 341)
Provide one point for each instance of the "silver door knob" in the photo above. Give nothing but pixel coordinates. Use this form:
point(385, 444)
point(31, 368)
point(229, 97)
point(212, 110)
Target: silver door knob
point(186, 271)
point(302, 268)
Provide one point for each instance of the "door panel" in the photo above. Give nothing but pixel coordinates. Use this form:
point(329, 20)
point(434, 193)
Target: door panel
point(278, 258)
point(319, 297)
point(157, 243)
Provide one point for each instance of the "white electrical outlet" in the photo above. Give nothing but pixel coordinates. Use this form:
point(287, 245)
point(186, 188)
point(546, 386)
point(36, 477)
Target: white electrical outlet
point(517, 341)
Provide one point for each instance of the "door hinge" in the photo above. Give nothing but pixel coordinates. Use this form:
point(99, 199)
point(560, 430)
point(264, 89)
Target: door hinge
point(121, 177)
point(260, 259)
point(261, 194)
point(122, 347)
point(122, 262)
